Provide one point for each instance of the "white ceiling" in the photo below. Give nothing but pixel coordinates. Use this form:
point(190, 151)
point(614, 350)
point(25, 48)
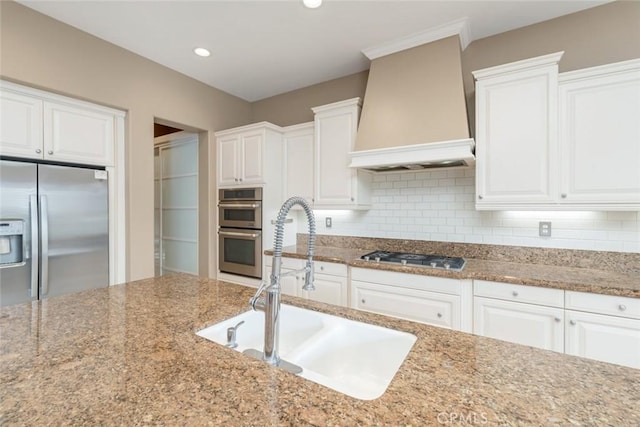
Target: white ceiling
point(264, 48)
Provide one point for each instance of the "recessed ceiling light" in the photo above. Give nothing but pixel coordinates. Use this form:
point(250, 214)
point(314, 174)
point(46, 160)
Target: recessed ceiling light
point(312, 4)
point(200, 51)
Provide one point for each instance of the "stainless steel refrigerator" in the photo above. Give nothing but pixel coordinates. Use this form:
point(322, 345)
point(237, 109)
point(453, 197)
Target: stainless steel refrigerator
point(54, 230)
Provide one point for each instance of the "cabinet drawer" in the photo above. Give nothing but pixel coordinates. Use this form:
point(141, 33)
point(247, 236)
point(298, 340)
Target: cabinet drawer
point(333, 268)
point(291, 263)
point(419, 306)
point(519, 293)
point(604, 304)
point(411, 281)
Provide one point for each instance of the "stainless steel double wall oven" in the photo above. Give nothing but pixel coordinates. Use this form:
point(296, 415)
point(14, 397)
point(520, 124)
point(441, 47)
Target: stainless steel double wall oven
point(240, 232)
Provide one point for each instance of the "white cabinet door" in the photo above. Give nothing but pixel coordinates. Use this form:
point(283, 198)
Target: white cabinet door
point(228, 160)
point(251, 167)
point(298, 156)
point(329, 289)
point(606, 338)
point(419, 306)
point(528, 324)
point(21, 127)
point(600, 134)
point(78, 134)
point(516, 133)
point(335, 184)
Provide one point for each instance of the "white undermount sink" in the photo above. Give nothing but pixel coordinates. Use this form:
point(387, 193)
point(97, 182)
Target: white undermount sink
point(354, 358)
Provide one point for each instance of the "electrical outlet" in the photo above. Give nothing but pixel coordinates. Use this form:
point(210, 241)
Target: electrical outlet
point(544, 228)
point(327, 222)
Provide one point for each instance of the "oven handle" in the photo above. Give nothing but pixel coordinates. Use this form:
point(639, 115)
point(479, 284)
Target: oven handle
point(237, 234)
point(239, 205)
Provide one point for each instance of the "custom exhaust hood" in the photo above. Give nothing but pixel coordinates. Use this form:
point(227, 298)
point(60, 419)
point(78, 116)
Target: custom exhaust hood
point(414, 115)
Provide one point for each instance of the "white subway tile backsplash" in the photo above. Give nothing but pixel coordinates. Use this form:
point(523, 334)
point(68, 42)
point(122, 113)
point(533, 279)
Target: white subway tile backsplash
point(440, 205)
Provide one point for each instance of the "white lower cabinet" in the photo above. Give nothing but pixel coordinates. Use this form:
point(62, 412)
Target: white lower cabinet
point(606, 328)
point(330, 280)
point(527, 324)
point(433, 300)
point(525, 315)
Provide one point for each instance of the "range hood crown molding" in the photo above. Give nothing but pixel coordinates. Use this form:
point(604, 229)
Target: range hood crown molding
point(459, 27)
point(416, 157)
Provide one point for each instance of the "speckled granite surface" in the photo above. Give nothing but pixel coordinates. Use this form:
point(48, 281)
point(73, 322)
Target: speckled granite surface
point(128, 355)
point(525, 266)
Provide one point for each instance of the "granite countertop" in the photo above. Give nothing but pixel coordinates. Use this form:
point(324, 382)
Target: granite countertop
point(549, 276)
point(128, 355)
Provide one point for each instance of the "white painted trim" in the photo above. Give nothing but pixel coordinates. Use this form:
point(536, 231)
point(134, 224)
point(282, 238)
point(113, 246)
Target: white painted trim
point(340, 104)
point(537, 62)
point(298, 127)
point(600, 70)
point(117, 209)
point(459, 27)
point(261, 126)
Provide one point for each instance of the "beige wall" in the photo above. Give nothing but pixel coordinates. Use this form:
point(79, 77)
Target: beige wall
point(38, 51)
point(294, 107)
point(601, 35)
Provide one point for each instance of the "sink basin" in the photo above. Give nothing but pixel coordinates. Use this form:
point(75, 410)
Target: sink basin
point(354, 358)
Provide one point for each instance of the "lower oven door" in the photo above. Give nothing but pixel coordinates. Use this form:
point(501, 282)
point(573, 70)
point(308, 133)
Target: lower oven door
point(240, 251)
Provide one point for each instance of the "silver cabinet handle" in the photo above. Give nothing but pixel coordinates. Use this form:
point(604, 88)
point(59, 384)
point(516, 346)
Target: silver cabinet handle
point(239, 205)
point(321, 268)
point(237, 234)
point(622, 307)
point(514, 293)
point(572, 322)
point(363, 301)
point(240, 179)
point(35, 245)
point(480, 196)
point(50, 152)
point(38, 150)
point(563, 195)
point(439, 314)
point(44, 244)
point(557, 319)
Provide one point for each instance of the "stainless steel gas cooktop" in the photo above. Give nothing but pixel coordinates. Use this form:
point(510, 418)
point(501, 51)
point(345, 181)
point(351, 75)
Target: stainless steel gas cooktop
point(425, 260)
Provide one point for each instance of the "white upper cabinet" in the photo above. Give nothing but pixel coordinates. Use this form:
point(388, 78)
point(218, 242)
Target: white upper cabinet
point(516, 133)
point(41, 125)
point(298, 161)
point(600, 136)
point(243, 153)
point(336, 185)
point(558, 141)
point(20, 125)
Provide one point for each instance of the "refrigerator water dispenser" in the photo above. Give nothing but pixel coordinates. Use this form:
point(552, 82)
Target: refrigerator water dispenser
point(11, 242)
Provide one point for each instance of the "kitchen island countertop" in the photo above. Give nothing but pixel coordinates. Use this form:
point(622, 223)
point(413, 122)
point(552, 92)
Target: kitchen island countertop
point(128, 355)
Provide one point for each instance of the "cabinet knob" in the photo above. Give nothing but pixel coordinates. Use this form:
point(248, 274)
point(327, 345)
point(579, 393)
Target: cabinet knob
point(439, 314)
point(514, 293)
point(563, 195)
point(322, 268)
point(240, 179)
point(572, 322)
point(352, 199)
point(38, 150)
point(557, 319)
point(363, 301)
point(622, 307)
point(50, 152)
point(480, 196)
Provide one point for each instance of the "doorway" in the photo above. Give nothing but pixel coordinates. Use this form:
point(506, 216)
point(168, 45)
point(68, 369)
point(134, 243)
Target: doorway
point(176, 203)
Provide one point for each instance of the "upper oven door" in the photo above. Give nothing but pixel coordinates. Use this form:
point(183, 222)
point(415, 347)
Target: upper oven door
point(240, 214)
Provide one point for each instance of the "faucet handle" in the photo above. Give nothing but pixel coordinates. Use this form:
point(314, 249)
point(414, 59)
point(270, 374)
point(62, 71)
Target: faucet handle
point(308, 277)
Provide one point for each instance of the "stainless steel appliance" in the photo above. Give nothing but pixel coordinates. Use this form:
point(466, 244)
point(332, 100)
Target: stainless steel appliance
point(54, 230)
point(240, 232)
point(425, 260)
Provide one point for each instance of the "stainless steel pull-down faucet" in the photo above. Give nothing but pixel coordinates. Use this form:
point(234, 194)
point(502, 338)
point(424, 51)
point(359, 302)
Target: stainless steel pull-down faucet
point(270, 303)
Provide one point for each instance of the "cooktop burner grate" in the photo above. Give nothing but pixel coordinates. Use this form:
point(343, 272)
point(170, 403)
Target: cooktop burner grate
point(426, 260)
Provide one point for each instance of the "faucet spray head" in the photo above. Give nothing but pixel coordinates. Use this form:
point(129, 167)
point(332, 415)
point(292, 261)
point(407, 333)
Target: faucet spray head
point(308, 277)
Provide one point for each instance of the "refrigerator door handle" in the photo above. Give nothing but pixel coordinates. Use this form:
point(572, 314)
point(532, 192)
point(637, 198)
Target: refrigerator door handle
point(35, 249)
point(44, 239)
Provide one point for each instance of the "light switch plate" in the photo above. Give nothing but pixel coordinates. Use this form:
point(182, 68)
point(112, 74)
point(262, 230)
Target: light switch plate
point(544, 228)
point(327, 222)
